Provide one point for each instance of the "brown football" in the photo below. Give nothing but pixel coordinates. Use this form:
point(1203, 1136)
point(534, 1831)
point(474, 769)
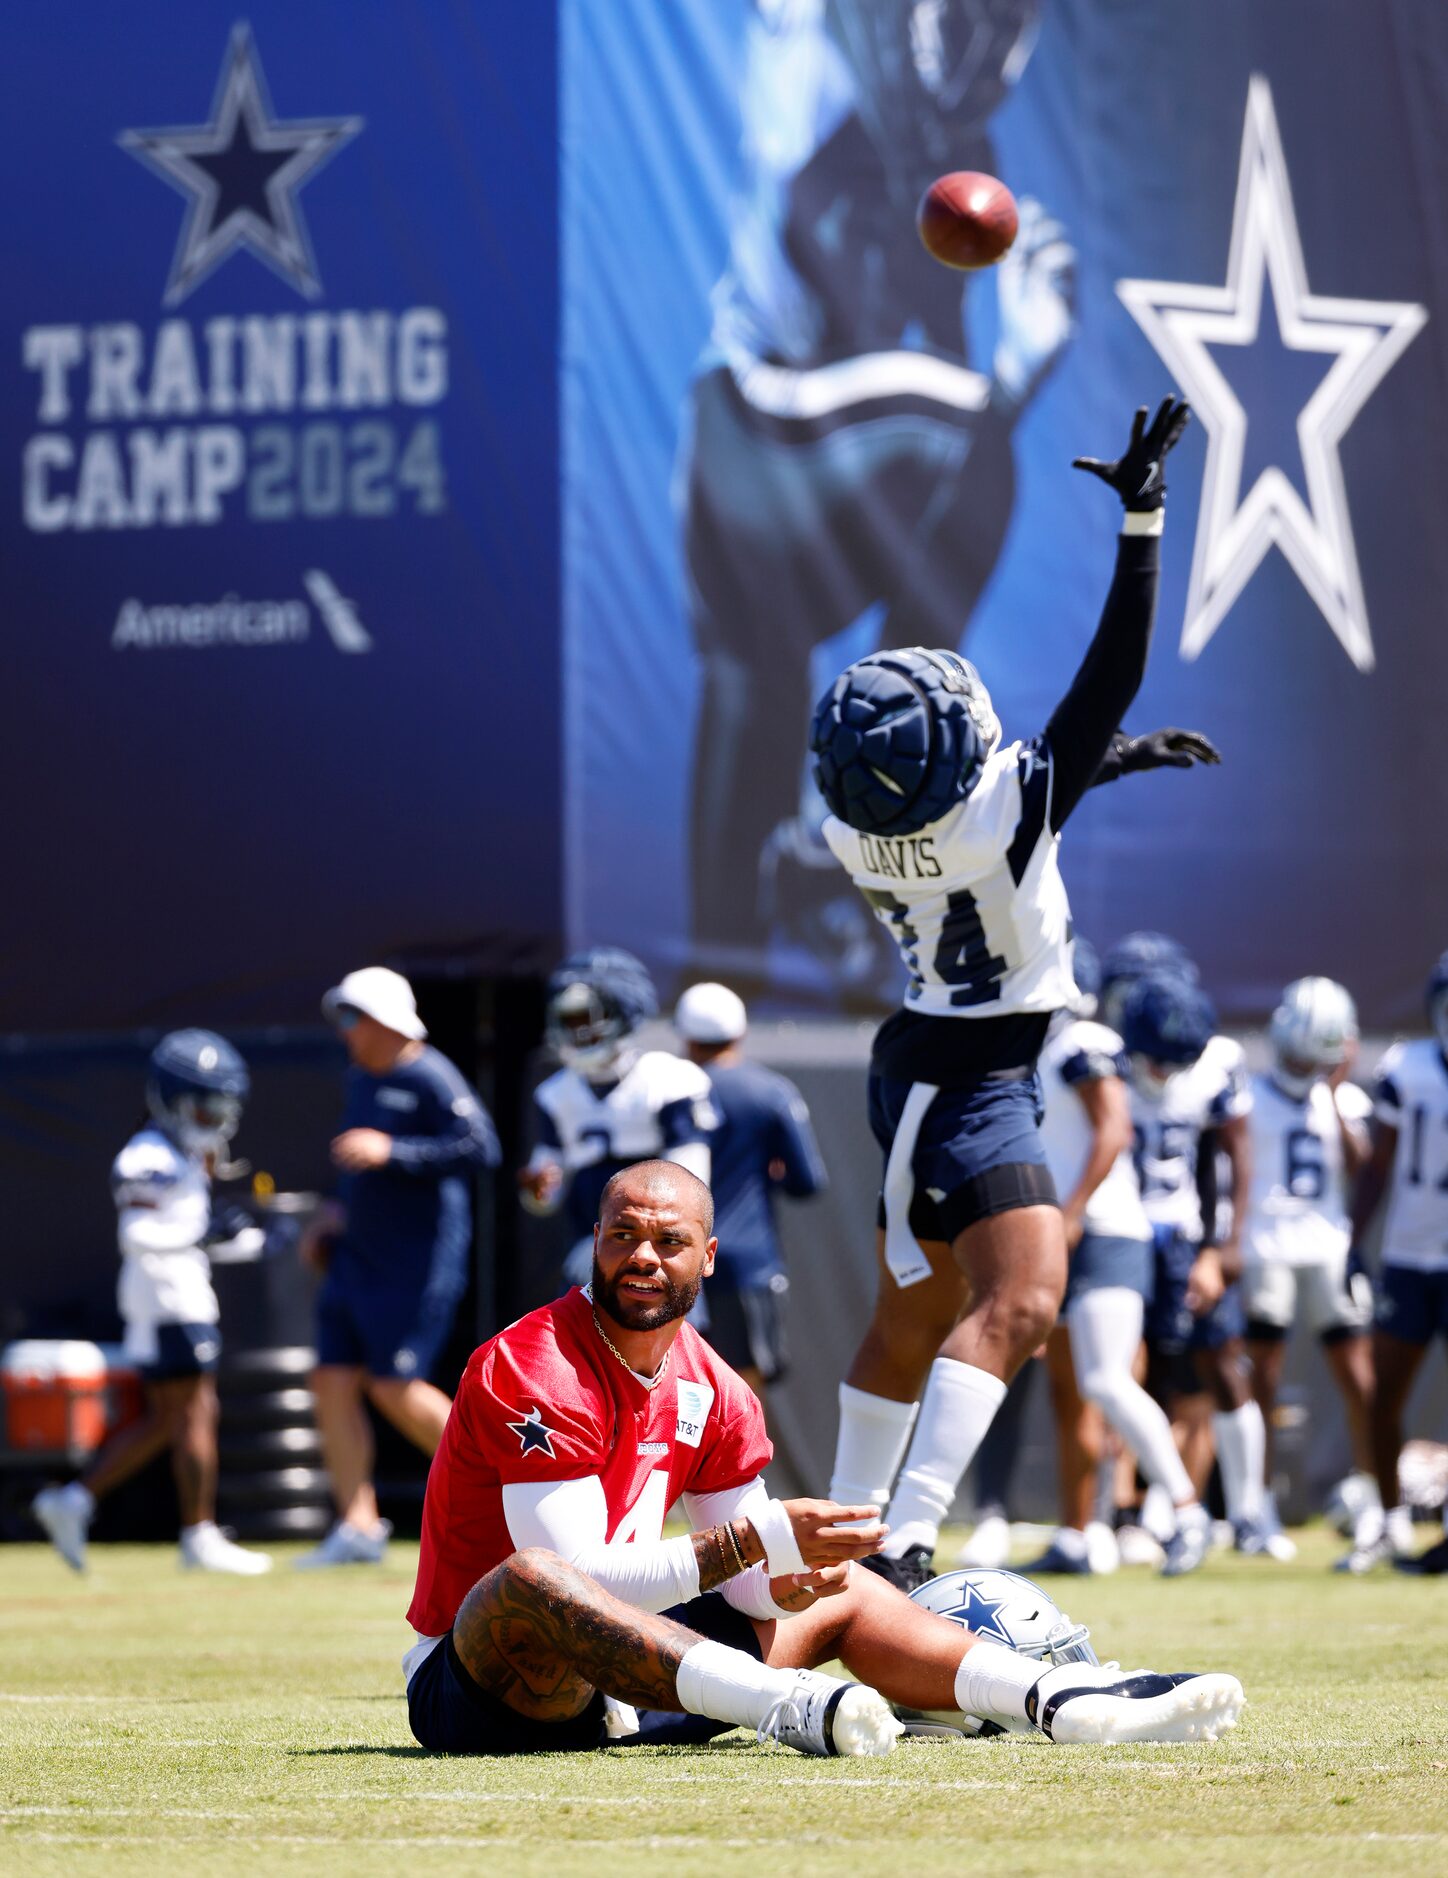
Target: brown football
point(967, 219)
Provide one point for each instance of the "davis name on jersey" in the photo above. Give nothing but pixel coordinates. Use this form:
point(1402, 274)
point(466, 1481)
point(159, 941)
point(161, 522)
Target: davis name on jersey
point(1410, 1093)
point(547, 1400)
point(1169, 1128)
point(163, 1206)
point(975, 902)
point(658, 1103)
point(1077, 1052)
point(1297, 1204)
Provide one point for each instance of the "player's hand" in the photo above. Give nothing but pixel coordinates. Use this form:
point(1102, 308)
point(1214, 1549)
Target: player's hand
point(358, 1149)
point(1138, 475)
point(1167, 749)
point(799, 1590)
point(1205, 1282)
point(541, 1183)
point(827, 1534)
point(1036, 294)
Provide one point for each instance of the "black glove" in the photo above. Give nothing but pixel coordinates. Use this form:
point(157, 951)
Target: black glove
point(1166, 749)
point(1137, 475)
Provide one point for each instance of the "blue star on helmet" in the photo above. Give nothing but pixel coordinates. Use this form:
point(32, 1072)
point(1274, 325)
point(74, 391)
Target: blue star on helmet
point(532, 1434)
point(982, 1615)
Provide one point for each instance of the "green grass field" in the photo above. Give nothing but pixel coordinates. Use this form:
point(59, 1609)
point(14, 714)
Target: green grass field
point(154, 1722)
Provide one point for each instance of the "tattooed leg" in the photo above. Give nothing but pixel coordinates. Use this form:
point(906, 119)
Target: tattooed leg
point(542, 1637)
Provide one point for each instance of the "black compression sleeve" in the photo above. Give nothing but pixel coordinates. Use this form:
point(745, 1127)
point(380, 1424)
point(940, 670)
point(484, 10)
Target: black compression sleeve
point(1084, 722)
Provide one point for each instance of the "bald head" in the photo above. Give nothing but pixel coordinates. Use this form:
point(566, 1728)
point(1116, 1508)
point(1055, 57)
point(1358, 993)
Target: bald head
point(649, 1182)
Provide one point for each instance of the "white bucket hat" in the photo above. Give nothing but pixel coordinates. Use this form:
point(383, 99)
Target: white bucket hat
point(710, 1014)
point(380, 994)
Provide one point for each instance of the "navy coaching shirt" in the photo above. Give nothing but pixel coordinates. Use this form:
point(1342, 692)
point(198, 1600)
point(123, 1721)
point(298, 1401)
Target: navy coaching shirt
point(763, 1119)
point(411, 1220)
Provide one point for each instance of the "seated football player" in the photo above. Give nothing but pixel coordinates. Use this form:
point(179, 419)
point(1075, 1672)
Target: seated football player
point(1189, 1096)
point(1309, 1141)
point(952, 837)
point(551, 1612)
point(1409, 1165)
point(1090, 1355)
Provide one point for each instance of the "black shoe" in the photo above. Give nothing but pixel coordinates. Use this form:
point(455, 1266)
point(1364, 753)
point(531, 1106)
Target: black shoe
point(1430, 1564)
point(914, 1567)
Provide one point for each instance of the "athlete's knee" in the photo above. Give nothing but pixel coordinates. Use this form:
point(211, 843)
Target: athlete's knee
point(332, 1382)
point(1017, 1311)
point(1104, 1388)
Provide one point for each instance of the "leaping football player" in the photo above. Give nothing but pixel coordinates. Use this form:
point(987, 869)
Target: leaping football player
point(551, 1613)
point(952, 838)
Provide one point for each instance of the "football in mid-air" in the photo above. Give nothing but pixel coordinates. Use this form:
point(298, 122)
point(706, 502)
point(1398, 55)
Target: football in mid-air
point(967, 219)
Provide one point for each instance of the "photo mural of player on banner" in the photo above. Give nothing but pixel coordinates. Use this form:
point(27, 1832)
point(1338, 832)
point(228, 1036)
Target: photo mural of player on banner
point(791, 437)
point(279, 503)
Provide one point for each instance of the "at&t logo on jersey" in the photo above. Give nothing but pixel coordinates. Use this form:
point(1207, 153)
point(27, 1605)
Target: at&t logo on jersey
point(262, 416)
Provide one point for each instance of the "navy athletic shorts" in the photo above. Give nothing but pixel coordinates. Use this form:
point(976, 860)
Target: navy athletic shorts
point(1411, 1304)
point(746, 1325)
point(450, 1714)
point(978, 1151)
point(388, 1330)
point(1102, 1262)
point(181, 1350)
point(1171, 1328)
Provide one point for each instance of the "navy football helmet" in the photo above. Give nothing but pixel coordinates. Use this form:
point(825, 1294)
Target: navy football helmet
point(1086, 970)
point(901, 737)
point(1132, 958)
point(1166, 1020)
point(195, 1089)
point(596, 1001)
point(1438, 1002)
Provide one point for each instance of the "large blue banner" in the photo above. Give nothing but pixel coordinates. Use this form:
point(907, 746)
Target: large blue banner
point(790, 436)
point(277, 502)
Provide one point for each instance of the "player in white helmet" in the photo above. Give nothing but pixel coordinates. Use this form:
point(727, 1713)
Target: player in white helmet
point(1308, 1128)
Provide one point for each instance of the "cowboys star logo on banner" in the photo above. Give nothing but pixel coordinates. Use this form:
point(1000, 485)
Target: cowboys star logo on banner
point(241, 174)
point(532, 1434)
point(1362, 338)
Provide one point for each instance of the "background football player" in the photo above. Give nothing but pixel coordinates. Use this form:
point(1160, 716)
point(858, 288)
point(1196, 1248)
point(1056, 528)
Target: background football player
point(161, 1184)
point(952, 839)
point(1409, 1164)
point(1308, 1128)
point(1189, 1096)
point(848, 444)
point(610, 1103)
point(1087, 1131)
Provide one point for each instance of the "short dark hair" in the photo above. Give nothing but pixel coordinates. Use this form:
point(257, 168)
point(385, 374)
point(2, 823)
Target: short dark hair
point(661, 1173)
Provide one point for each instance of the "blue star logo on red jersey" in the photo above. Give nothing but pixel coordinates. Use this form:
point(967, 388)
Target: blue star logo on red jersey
point(532, 1433)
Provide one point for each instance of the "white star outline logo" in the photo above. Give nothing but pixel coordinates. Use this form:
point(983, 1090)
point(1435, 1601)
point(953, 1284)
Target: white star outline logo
point(1365, 338)
point(280, 239)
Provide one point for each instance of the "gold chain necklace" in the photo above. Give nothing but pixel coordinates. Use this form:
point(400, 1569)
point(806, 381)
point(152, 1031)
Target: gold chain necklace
point(649, 1382)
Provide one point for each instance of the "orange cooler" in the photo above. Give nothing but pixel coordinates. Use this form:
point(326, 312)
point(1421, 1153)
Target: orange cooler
point(56, 1395)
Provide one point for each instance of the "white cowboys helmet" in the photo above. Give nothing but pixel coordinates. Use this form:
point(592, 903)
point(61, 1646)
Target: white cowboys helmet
point(1007, 1609)
point(1313, 1030)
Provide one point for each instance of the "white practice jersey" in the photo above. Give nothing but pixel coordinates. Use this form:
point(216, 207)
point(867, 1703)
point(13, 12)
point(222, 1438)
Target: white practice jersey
point(1169, 1128)
point(1078, 1052)
point(975, 902)
point(163, 1202)
point(1297, 1209)
point(1410, 1093)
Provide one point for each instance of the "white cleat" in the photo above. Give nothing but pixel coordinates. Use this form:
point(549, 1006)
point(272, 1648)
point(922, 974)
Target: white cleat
point(989, 1546)
point(1136, 1546)
point(822, 1716)
point(346, 1544)
point(206, 1548)
point(64, 1515)
point(1143, 1706)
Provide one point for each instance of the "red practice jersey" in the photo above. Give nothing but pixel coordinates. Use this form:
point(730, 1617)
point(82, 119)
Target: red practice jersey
point(547, 1400)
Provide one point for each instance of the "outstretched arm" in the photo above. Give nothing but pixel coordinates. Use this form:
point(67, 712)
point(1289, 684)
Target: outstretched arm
point(1085, 721)
point(1158, 749)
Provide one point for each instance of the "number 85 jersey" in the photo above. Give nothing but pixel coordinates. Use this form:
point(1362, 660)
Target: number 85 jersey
point(975, 901)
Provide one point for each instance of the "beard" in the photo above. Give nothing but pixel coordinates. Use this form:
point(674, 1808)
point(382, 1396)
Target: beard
point(672, 1302)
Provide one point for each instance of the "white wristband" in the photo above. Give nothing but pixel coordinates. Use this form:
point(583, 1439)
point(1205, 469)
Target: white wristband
point(776, 1535)
point(1143, 521)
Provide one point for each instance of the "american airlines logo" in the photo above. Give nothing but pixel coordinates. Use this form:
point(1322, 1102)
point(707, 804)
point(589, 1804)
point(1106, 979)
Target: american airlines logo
point(200, 625)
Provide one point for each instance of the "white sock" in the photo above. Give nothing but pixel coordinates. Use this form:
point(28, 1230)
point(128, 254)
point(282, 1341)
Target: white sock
point(1241, 1436)
point(83, 1499)
point(729, 1685)
point(959, 1406)
point(1071, 1541)
point(1105, 1331)
point(993, 1682)
point(191, 1532)
point(872, 1437)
